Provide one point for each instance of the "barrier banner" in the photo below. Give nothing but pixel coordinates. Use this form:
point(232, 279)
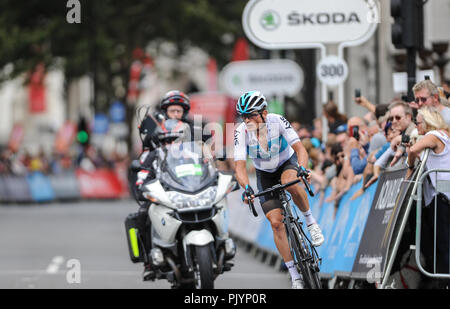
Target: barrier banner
point(16, 189)
point(40, 187)
point(99, 184)
point(374, 245)
point(3, 192)
point(358, 214)
point(338, 232)
point(65, 186)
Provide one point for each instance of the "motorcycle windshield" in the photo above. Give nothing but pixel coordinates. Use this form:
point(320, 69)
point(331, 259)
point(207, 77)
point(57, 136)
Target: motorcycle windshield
point(186, 167)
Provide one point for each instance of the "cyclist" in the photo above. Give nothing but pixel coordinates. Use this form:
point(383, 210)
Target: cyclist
point(278, 155)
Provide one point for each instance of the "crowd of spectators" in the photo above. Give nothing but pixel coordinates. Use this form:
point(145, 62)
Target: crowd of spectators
point(362, 147)
point(389, 135)
point(29, 160)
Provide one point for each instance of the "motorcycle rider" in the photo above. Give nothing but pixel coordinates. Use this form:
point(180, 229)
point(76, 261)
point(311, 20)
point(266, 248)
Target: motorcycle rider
point(174, 105)
point(278, 155)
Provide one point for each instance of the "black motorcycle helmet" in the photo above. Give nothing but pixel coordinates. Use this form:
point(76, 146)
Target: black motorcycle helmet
point(175, 97)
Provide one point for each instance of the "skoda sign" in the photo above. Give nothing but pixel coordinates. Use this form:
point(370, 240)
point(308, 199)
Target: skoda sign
point(272, 77)
point(283, 24)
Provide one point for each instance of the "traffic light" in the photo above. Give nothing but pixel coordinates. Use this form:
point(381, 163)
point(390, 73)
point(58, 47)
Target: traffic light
point(83, 132)
point(407, 30)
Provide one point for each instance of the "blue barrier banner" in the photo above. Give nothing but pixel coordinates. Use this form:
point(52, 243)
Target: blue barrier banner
point(16, 189)
point(326, 222)
point(338, 232)
point(359, 212)
point(65, 186)
point(40, 187)
point(3, 192)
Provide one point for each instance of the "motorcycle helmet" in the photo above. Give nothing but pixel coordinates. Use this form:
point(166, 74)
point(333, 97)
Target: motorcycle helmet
point(175, 97)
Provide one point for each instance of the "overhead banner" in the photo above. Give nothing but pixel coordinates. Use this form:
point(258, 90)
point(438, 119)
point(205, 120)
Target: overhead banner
point(389, 198)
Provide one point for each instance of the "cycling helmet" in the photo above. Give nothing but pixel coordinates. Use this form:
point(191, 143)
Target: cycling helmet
point(251, 101)
point(170, 130)
point(175, 97)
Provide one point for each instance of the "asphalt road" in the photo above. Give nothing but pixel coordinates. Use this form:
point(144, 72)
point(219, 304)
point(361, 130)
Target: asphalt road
point(41, 245)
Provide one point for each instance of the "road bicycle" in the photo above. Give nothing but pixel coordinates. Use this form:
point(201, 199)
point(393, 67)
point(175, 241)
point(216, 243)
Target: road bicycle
point(303, 252)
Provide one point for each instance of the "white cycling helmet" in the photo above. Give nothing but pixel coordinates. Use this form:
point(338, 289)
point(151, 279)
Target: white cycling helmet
point(251, 101)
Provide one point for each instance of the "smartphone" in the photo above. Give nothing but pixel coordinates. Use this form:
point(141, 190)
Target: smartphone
point(357, 93)
point(354, 132)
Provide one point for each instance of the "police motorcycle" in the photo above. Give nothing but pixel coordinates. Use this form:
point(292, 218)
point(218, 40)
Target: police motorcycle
point(190, 246)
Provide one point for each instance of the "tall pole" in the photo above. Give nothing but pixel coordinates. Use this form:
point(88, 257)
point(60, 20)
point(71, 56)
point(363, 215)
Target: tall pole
point(411, 69)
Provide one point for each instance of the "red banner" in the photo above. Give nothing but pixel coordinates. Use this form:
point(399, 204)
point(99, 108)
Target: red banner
point(65, 137)
point(16, 137)
point(36, 90)
point(100, 184)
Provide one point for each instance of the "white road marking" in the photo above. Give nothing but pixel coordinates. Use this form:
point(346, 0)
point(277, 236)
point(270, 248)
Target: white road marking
point(53, 268)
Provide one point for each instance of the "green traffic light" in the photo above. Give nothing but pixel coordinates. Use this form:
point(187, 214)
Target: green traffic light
point(82, 137)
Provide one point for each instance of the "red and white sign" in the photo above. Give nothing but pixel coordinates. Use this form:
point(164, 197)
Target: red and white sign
point(65, 137)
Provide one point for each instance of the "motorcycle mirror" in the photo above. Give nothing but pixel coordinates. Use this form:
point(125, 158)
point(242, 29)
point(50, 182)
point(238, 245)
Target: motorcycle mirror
point(135, 166)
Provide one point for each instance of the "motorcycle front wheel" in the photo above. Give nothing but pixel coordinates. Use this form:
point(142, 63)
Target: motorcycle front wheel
point(204, 274)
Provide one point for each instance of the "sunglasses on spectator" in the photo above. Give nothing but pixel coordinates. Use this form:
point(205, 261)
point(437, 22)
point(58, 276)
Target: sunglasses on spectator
point(422, 99)
point(397, 117)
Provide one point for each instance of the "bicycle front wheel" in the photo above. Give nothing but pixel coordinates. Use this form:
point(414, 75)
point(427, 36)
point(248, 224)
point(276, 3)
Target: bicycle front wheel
point(305, 258)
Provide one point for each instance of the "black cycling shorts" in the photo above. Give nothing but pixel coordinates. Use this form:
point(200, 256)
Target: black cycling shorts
point(266, 180)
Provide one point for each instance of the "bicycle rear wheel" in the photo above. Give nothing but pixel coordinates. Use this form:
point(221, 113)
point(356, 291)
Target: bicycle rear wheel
point(304, 257)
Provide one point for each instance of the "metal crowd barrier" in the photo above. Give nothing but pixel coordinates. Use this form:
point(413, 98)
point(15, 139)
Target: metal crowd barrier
point(442, 186)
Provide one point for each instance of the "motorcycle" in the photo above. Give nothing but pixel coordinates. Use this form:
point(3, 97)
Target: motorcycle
point(190, 245)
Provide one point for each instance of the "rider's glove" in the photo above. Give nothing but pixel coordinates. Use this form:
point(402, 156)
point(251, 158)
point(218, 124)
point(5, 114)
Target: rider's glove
point(302, 172)
point(248, 192)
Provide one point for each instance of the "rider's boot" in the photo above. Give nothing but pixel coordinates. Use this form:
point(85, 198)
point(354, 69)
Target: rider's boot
point(148, 273)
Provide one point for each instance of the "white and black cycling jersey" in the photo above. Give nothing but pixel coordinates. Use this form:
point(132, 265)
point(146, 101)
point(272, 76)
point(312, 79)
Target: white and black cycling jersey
point(280, 137)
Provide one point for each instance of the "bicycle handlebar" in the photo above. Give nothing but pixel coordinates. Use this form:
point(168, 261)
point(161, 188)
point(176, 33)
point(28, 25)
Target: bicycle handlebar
point(278, 188)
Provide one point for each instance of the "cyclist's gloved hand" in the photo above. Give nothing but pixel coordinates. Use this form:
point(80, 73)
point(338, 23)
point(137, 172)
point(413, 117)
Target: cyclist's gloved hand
point(303, 172)
point(248, 192)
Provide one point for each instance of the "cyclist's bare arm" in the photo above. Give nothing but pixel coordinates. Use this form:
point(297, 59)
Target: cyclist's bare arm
point(241, 173)
point(302, 156)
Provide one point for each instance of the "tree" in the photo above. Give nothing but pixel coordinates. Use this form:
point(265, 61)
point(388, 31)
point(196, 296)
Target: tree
point(34, 31)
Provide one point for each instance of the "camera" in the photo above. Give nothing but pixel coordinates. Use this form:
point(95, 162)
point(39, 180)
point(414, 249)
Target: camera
point(405, 139)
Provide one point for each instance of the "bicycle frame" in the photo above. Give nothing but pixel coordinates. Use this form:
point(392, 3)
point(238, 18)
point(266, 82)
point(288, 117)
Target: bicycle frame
point(301, 248)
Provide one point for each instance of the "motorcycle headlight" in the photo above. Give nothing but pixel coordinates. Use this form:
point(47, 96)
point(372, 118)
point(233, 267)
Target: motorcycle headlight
point(204, 198)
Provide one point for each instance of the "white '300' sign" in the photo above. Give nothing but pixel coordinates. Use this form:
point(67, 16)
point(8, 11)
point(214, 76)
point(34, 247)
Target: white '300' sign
point(332, 71)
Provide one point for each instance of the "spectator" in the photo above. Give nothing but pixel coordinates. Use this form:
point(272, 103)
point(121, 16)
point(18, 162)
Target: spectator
point(358, 144)
point(296, 125)
point(431, 124)
point(382, 157)
point(426, 93)
point(344, 176)
point(334, 118)
point(401, 115)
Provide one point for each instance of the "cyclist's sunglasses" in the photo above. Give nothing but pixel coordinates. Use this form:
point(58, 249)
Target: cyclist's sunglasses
point(248, 116)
